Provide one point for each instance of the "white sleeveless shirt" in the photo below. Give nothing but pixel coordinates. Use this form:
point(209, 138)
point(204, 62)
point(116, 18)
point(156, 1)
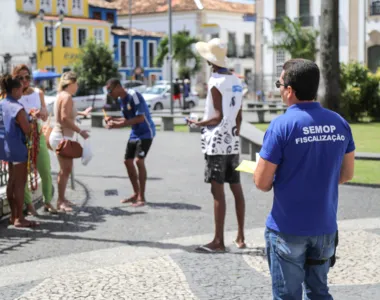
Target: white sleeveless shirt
point(31, 101)
point(222, 139)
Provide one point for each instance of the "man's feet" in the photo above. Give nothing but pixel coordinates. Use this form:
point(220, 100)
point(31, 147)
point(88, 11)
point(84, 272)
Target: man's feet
point(240, 244)
point(131, 199)
point(31, 210)
point(213, 247)
point(138, 203)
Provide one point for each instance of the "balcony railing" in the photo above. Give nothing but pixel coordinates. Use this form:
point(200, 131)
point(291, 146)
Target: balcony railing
point(137, 61)
point(374, 8)
point(246, 51)
point(231, 50)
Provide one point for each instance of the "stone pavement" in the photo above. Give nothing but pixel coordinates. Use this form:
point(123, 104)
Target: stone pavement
point(104, 250)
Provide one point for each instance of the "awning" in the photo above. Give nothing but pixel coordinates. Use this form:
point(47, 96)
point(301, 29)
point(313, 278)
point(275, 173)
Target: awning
point(44, 75)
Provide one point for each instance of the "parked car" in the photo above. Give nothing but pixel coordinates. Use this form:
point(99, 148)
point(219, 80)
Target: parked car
point(135, 85)
point(83, 99)
point(158, 97)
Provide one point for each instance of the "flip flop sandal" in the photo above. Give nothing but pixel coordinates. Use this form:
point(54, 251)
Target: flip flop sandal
point(128, 200)
point(139, 204)
point(240, 246)
point(205, 249)
point(28, 224)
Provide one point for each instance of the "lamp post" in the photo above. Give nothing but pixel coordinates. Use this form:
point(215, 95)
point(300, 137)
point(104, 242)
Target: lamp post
point(170, 54)
point(52, 28)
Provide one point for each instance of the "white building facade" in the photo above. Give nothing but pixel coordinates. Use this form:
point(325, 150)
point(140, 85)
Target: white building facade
point(359, 33)
point(229, 26)
point(18, 38)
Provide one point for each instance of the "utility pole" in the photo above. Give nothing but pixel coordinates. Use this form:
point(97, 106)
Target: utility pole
point(130, 37)
point(170, 55)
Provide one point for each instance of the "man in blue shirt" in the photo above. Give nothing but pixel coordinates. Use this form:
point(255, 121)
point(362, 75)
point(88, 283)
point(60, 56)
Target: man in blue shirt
point(307, 152)
point(135, 113)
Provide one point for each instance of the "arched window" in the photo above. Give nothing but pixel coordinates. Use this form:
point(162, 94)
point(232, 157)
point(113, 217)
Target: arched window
point(374, 58)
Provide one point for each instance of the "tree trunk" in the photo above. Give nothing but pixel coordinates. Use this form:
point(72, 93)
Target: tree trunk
point(330, 67)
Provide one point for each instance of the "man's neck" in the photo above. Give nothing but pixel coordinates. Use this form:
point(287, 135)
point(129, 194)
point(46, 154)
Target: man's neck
point(123, 94)
point(300, 102)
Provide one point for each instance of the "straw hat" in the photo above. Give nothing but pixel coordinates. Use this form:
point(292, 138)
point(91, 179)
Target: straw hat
point(214, 51)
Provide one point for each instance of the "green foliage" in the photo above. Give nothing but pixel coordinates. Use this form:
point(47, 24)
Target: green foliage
point(298, 41)
point(182, 53)
point(95, 65)
point(360, 92)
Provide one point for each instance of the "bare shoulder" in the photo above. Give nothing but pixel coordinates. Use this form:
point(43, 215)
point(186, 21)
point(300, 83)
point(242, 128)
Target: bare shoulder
point(64, 98)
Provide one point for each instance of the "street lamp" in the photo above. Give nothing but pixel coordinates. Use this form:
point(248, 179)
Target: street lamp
point(52, 28)
point(170, 54)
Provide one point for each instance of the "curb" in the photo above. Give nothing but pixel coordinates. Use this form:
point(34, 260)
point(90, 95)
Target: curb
point(366, 185)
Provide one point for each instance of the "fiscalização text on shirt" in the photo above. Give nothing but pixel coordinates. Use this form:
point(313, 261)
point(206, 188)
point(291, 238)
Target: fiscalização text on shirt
point(322, 133)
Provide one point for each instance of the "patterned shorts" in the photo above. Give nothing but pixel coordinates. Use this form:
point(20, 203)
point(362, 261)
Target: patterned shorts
point(221, 168)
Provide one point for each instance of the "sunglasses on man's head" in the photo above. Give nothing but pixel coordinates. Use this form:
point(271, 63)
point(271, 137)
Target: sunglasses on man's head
point(22, 78)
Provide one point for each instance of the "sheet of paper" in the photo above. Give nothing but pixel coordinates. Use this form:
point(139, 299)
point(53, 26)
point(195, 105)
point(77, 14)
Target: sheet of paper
point(247, 166)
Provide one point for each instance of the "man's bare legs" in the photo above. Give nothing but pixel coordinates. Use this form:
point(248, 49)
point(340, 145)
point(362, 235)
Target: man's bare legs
point(10, 195)
point(140, 162)
point(217, 190)
point(133, 177)
point(237, 191)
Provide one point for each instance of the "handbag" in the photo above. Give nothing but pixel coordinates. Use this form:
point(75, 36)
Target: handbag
point(69, 149)
point(46, 131)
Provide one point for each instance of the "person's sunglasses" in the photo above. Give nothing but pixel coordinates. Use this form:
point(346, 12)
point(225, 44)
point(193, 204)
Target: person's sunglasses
point(278, 84)
point(22, 78)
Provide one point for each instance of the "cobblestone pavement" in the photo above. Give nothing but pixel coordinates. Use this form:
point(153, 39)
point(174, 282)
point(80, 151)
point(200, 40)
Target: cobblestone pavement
point(104, 250)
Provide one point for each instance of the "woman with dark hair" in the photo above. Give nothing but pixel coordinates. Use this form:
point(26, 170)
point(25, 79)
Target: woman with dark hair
point(15, 126)
point(33, 100)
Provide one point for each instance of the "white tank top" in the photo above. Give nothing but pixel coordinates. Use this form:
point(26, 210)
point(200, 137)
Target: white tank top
point(31, 101)
point(222, 139)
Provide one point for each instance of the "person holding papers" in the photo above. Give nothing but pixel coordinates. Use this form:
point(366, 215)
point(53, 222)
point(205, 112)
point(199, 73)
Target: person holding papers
point(307, 152)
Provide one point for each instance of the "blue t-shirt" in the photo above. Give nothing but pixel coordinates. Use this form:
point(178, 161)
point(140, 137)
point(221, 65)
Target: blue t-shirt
point(134, 105)
point(15, 149)
point(308, 143)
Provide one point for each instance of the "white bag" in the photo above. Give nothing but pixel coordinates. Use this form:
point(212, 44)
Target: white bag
point(87, 153)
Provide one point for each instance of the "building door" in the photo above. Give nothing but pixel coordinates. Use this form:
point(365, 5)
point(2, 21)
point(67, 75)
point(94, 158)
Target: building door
point(374, 58)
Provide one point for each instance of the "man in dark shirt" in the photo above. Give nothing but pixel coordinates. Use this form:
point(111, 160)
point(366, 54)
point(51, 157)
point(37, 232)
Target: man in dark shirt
point(135, 113)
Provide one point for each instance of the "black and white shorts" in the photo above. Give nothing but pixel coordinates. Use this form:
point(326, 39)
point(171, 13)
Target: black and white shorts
point(137, 148)
point(221, 168)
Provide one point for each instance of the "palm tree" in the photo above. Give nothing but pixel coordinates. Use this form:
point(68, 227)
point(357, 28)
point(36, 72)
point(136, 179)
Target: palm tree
point(298, 41)
point(182, 53)
point(330, 67)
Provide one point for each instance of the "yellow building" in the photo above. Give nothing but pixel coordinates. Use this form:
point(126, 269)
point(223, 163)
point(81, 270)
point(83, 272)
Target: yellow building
point(66, 25)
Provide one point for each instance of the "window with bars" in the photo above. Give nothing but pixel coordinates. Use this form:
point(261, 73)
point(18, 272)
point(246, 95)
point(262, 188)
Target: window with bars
point(151, 53)
point(280, 60)
point(82, 37)
point(123, 53)
point(304, 13)
point(46, 5)
point(280, 10)
point(111, 17)
point(66, 37)
point(29, 5)
point(62, 6)
point(99, 35)
point(77, 8)
point(231, 47)
point(49, 36)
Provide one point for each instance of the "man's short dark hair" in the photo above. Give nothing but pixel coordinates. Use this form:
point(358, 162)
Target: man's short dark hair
point(303, 76)
point(113, 82)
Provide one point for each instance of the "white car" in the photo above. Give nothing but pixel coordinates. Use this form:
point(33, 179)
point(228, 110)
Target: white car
point(158, 97)
point(135, 85)
point(83, 99)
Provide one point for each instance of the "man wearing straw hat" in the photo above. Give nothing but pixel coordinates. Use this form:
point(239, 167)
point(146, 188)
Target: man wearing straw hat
point(220, 140)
